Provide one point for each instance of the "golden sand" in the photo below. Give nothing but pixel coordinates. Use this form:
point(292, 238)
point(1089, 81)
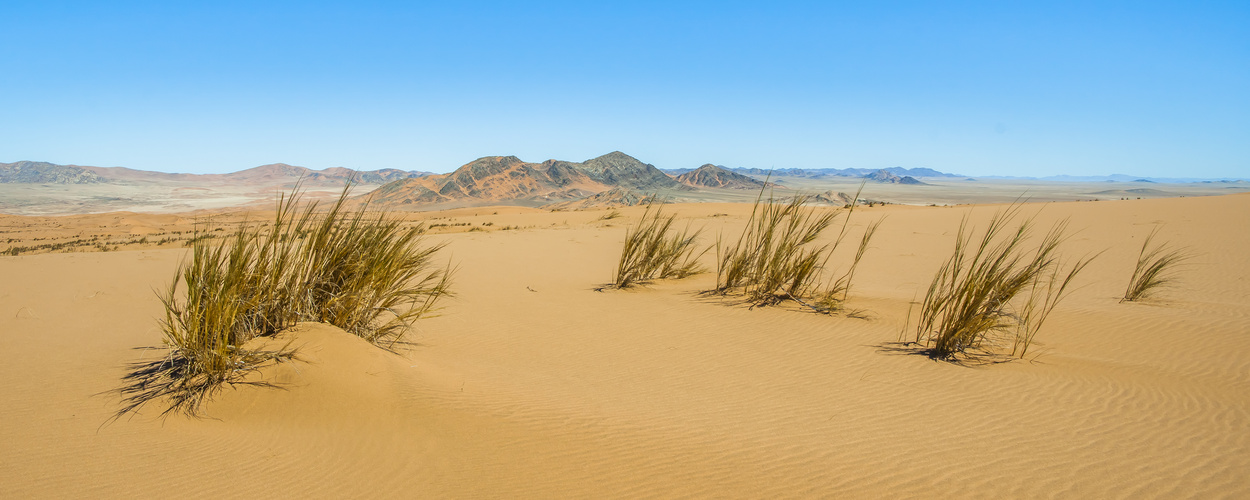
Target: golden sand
point(533, 385)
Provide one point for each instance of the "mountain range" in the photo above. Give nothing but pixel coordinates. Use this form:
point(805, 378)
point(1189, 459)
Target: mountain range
point(35, 172)
point(39, 172)
point(714, 176)
point(609, 180)
point(829, 172)
point(886, 177)
point(1120, 178)
point(499, 178)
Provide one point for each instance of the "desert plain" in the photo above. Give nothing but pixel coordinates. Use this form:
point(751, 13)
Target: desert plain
point(532, 383)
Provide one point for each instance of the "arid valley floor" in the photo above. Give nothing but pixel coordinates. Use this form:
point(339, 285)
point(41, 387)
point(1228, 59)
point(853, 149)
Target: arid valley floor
point(532, 384)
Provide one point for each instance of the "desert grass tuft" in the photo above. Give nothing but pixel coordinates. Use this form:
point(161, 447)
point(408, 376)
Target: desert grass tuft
point(996, 287)
point(363, 273)
point(367, 274)
point(777, 257)
point(654, 249)
point(612, 214)
point(1156, 268)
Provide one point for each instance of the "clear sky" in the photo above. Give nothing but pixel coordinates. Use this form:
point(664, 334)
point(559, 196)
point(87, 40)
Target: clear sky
point(978, 88)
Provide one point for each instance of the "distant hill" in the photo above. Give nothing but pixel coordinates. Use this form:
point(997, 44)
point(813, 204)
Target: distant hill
point(1117, 178)
point(279, 172)
point(493, 178)
point(507, 178)
point(842, 172)
point(276, 173)
point(1153, 193)
point(38, 172)
point(886, 177)
point(918, 172)
point(619, 169)
point(718, 177)
point(789, 172)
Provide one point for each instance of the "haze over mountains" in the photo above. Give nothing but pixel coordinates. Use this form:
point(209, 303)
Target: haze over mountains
point(830, 172)
point(616, 176)
point(614, 169)
point(613, 179)
point(37, 172)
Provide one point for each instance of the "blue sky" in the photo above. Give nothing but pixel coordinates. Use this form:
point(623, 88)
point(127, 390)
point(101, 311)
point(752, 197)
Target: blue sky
point(979, 88)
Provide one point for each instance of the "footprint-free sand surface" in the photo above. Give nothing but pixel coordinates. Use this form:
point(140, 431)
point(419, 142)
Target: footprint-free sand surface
point(531, 384)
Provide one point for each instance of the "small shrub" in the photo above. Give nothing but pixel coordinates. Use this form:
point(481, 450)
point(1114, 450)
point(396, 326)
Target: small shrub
point(361, 273)
point(359, 270)
point(776, 258)
point(1156, 269)
point(993, 287)
point(613, 214)
point(655, 250)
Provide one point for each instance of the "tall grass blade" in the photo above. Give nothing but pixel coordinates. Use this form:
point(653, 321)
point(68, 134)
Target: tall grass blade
point(655, 250)
point(993, 286)
point(1156, 268)
point(363, 273)
point(777, 256)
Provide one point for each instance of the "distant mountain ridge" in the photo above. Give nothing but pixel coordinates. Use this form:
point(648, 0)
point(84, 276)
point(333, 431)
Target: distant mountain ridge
point(508, 178)
point(41, 172)
point(613, 179)
point(337, 175)
point(32, 172)
point(617, 178)
point(886, 177)
point(1120, 178)
point(606, 169)
point(830, 172)
point(715, 176)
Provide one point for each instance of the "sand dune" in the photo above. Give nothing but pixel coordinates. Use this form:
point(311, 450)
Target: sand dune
point(533, 385)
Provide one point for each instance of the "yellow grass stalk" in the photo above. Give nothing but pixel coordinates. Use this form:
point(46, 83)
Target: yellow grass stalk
point(994, 286)
point(777, 257)
point(1156, 268)
point(655, 250)
point(362, 273)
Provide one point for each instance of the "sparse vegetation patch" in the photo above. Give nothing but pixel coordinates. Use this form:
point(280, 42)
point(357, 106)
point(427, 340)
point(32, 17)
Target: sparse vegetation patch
point(358, 271)
point(778, 256)
point(654, 249)
point(1156, 268)
point(994, 289)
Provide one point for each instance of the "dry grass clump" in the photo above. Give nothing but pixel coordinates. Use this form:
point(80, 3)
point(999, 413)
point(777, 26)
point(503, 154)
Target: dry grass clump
point(994, 288)
point(367, 274)
point(1156, 269)
point(777, 257)
point(654, 249)
point(362, 273)
point(612, 214)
